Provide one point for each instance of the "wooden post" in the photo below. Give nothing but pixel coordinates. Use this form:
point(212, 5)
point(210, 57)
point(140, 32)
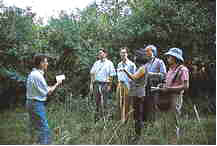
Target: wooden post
point(197, 114)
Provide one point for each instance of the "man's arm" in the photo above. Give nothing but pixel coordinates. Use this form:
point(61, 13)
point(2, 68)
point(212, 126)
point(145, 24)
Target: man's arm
point(112, 74)
point(52, 88)
point(178, 88)
point(43, 88)
point(92, 77)
point(163, 68)
point(137, 75)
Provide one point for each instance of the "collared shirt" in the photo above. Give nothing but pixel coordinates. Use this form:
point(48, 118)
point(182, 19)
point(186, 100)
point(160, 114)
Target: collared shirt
point(130, 67)
point(183, 75)
point(36, 87)
point(156, 65)
point(103, 70)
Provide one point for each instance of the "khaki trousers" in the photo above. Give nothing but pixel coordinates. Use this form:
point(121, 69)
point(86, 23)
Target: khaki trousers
point(124, 102)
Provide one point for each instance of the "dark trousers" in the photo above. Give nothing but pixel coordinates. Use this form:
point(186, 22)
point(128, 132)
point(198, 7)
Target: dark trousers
point(101, 94)
point(143, 112)
point(138, 113)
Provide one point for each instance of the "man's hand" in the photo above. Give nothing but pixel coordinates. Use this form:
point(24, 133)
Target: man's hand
point(52, 88)
point(109, 87)
point(161, 85)
point(59, 82)
point(122, 69)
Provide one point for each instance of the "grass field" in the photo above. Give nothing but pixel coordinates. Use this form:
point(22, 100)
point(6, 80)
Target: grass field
point(73, 123)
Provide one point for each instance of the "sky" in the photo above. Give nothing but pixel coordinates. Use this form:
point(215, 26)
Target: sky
point(46, 8)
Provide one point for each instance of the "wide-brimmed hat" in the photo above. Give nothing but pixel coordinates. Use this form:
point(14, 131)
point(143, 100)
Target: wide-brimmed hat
point(153, 48)
point(176, 52)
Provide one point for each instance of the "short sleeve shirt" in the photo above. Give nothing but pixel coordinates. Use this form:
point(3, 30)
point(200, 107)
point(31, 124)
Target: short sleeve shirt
point(103, 70)
point(183, 75)
point(130, 67)
point(156, 65)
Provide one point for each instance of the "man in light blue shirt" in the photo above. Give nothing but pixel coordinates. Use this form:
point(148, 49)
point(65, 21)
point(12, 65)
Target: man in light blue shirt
point(101, 73)
point(37, 91)
point(37, 88)
point(154, 64)
point(157, 72)
point(124, 83)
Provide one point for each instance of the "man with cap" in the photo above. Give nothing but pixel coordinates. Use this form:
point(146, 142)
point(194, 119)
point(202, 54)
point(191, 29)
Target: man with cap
point(177, 81)
point(157, 72)
point(154, 64)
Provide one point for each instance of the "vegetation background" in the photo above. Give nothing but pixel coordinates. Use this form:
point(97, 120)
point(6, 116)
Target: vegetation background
point(72, 41)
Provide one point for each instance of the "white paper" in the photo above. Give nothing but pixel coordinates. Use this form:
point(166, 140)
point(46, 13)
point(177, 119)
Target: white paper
point(153, 89)
point(60, 77)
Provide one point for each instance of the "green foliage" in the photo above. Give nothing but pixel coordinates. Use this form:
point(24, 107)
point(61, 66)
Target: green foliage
point(74, 38)
point(11, 74)
point(15, 27)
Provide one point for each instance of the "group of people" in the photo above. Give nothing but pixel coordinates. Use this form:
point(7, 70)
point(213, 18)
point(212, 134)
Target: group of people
point(144, 88)
point(138, 90)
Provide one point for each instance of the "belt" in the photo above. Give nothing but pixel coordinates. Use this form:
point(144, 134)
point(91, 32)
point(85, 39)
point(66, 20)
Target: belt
point(98, 82)
point(122, 82)
point(35, 100)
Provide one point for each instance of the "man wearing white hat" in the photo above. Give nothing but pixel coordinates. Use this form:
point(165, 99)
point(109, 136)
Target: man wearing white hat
point(177, 81)
point(157, 72)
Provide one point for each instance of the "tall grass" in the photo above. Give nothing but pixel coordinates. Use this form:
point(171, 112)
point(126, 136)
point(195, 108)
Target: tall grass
point(72, 122)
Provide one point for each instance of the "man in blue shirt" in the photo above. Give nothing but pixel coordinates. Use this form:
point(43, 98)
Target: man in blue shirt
point(157, 72)
point(36, 94)
point(124, 83)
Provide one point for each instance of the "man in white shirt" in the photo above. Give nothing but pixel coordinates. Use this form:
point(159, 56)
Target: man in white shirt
point(101, 81)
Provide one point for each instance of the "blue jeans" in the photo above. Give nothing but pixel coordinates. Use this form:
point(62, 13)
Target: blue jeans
point(38, 120)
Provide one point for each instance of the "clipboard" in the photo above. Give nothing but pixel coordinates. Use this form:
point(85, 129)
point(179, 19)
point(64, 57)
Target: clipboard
point(60, 77)
point(154, 89)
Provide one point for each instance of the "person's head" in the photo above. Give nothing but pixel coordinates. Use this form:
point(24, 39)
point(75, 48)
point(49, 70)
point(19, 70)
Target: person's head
point(174, 56)
point(41, 62)
point(151, 51)
point(102, 53)
point(194, 68)
point(124, 53)
point(140, 56)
